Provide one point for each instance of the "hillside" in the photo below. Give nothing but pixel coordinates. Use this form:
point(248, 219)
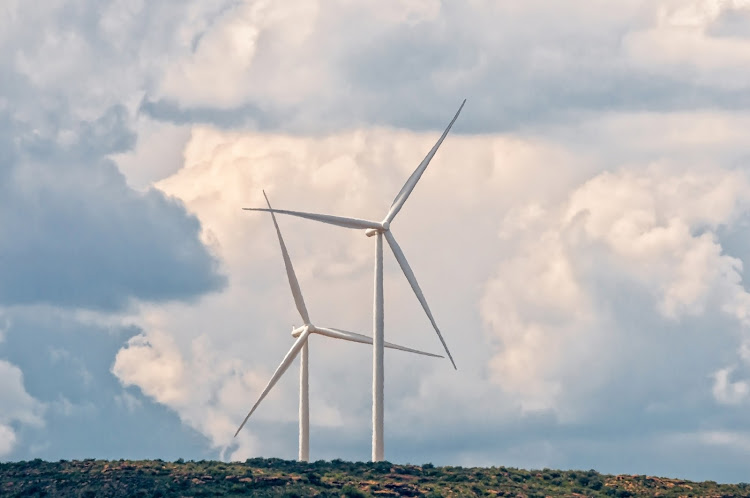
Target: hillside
point(274, 477)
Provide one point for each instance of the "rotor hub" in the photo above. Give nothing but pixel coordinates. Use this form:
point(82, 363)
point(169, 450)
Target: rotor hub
point(384, 227)
point(298, 331)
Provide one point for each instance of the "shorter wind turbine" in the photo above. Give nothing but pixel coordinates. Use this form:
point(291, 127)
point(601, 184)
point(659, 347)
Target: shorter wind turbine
point(302, 333)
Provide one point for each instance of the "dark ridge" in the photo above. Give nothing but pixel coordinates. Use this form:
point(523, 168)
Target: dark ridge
point(337, 478)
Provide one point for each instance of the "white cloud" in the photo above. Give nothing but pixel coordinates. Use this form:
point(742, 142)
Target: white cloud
point(199, 386)
point(255, 49)
point(160, 371)
point(556, 305)
point(4, 327)
point(588, 264)
point(727, 391)
point(157, 153)
point(645, 222)
point(16, 406)
point(680, 42)
point(590, 267)
point(7, 439)
point(735, 440)
point(129, 402)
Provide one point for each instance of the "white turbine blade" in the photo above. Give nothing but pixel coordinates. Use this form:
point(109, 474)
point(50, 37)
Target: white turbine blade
point(363, 339)
point(415, 287)
point(293, 283)
point(410, 350)
point(325, 218)
point(343, 334)
point(403, 194)
point(288, 359)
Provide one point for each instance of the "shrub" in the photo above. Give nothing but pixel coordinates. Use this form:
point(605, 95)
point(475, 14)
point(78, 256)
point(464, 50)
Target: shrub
point(313, 478)
point(350, 491)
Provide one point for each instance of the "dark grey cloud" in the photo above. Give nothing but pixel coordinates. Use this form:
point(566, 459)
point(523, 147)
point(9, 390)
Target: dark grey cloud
point(535, 71)
point(74, 234)
point(246, 115)
point(66, 365)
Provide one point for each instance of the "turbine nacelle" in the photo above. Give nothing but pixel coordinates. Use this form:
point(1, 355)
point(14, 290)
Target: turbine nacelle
point(385, 226)
point(296, 332)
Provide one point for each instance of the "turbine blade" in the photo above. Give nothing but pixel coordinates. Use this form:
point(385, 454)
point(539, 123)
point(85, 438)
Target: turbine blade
point(326, 218)
point(293, 283)
point(343, 334)
point(403, 194)
point(288, 359)
point(363, 339)
point(409, 274)
point(411, 350)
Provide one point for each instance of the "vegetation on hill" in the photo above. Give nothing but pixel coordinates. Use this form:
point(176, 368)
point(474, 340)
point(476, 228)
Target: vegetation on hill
point(274, 477)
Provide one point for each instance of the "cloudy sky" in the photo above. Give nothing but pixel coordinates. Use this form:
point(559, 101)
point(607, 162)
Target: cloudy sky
point(581, 236)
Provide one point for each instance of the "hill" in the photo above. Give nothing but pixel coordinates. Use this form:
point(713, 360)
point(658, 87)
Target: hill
point(274, 477)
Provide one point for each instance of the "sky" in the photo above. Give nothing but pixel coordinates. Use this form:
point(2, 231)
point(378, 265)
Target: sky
point(581, 235)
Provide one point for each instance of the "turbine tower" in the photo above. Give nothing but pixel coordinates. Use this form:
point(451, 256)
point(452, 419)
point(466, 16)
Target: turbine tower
point(301, 334)
point(383, 229)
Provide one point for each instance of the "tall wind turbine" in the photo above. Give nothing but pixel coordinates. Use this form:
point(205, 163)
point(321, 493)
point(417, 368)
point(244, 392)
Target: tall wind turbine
point(383, 228)
point(302, 333)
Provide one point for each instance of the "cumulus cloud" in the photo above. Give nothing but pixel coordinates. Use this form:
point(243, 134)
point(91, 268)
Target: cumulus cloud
point(729, 392)
point(603, 293)
point(203, 388)
point(583, 250)
point(691, 39)
point(232, 46)
point(157, 152)
point(361, 63)
point(346, 171)
point(309, 66)
point(16, 406)
point(621, 233)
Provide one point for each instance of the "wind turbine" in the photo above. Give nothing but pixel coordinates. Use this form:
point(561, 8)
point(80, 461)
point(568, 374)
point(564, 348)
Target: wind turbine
point(302, 333)
point(383, 228)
